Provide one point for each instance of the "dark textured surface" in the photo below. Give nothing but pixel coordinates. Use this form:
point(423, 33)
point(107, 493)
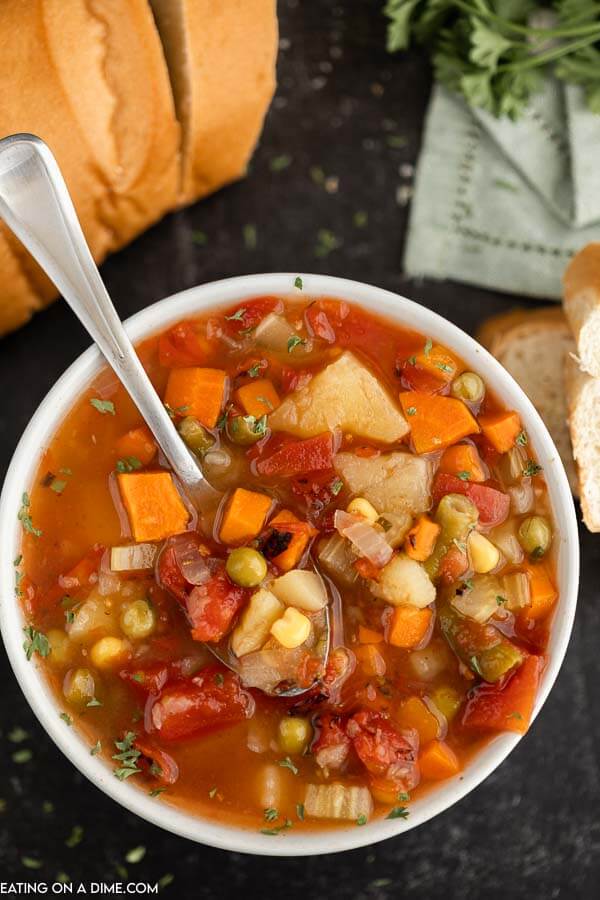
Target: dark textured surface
point(532, 830)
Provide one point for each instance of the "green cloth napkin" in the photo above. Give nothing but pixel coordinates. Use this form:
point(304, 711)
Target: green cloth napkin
point(505, 204)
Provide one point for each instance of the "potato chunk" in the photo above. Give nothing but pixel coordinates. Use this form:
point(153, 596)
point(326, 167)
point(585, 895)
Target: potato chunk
point(404, 582)
point(392, 482)
point(253, 629)
point(345, 395)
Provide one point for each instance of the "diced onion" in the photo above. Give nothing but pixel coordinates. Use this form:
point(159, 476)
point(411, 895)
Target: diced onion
point(273, 333)
point(133, 557)
point(338, 801)
point(108, 582)
point(521, 497)
point(481, 601)
point(265, 669)
point(337, 557)
point(193, 564)
point(367, 540)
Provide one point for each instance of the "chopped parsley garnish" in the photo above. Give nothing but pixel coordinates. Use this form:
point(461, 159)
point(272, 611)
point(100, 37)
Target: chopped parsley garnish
point(288, 764)
point(403, 797)
point(66, 718)
point(514, 715)
point(362, 820)
point(428, 346)
point(538, 552)
point(293, 342)
point(336, 486)
point(24, 517)
point(94, 702)
point(128, 464)
point(265, 402)
point(384, 523)
point(531, 468)
point(327, 242)
point(199, 238)
point(237, 316)
point(103, 406)
point(57, 485)
point(398, 812)
point(75, 837)
point(464, 476)
point(279, 163)
point(96, 749)
point(522, 439)
point(278, 828)
point(219, 680)
point(501, 600)
point(156, 792)
point(271, 814)
point(468, 584)
point(135, 855)
point(444, 367)
point(300, 811)
point(298, 283)
point(411, 411)
point(22, 756)
point(412, 360)
point(254, 370)
point(475, 665)
point(128, 756)
point(36, 642)
point(249, 233)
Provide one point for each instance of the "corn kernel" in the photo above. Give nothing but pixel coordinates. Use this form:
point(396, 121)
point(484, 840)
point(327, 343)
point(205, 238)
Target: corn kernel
point(292, 629)
point(483, 554)
point(361, 507)
point(109, 652)
point(295, 734)
point(62, 650)
point(79, 687)
point(138, 620)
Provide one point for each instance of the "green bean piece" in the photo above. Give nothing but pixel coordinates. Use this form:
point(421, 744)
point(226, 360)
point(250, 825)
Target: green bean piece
point(457, 516)
point(480, 647)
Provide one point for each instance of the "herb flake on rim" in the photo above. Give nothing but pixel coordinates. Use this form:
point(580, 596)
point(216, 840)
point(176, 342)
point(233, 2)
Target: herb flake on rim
point(531, 468)
point(24, 516)
point(128, 756)
point(288, 764)
point(36, 642)
point(298, 283)
point(362, 820)
point(521, 439)
point(237, 316)
point(398, 812)
point(103, 406)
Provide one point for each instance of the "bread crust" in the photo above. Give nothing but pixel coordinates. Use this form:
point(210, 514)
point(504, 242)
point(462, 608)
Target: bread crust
point(581, 300)
point(583, 403)
point(221, 58)
point(513, 338)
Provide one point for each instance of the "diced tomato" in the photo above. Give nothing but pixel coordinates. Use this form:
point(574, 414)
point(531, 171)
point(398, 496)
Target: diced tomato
point(82, 574)
point(366, 569)
point(507, 707)
point(148, 679)
point(254, 364)
point(210, 700)
point(294, 379)
point(324, 318)
point(182, 346)
point(493, 505)
point(332, 746)
point(453, 564)
point(297, 457)
point(249, 313)
point(155, 763)
point(383, 750)
point(213, 606)
point(170, 576)
point(317, 490)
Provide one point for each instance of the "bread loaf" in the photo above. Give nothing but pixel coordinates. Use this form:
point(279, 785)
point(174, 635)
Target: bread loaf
point(221, 58)
point(583, 396)
point(533, 346)
point(91, 79)
point(581, 301)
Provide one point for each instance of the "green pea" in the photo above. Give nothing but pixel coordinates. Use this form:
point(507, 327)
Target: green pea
point(247, 567)
point(469, 386)
point(535, 536)
point(246, 430)
point(195, 435)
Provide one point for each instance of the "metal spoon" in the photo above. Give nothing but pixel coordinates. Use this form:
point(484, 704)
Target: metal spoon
point(36, 205)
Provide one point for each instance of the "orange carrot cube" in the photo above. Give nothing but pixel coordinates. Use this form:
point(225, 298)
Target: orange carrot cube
point(501, 429)
point(258, 398)
point(138, 443)
point(154, 507)
point(437, 760)
point(421, 538)
point(244, 516)
point(408, 626)
point(197, 392)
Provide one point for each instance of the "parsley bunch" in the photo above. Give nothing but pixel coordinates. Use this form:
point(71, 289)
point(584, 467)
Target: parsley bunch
point(496, 52)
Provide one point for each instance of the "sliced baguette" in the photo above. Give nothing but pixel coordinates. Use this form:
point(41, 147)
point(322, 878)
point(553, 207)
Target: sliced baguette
point(533, 345)
point(221, 57)
point(583, 397)
point(581, 300)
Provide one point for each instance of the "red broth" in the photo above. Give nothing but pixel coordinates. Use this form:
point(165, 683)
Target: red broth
point(441, 575)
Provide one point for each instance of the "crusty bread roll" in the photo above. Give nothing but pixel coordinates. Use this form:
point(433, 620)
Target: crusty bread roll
point(221, 56)
point(533, 345)
point(583, 396)
point(91, 80)
point(581, 300)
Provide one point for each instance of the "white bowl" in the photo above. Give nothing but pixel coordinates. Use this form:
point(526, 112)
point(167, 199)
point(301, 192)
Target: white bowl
point(38, 435)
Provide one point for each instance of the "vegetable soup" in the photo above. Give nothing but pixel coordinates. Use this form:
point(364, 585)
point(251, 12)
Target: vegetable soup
point(377, 581)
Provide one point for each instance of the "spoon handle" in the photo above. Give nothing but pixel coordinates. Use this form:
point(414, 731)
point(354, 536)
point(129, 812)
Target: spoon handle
point(36, 206)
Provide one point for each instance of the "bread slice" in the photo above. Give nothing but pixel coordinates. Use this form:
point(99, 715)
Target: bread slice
point(581, 300)
point(583, 397)
point(221, 57)
point(89, 77)
point(533, 345)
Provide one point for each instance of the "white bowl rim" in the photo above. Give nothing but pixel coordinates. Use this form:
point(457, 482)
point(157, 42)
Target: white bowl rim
point(50, 414)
